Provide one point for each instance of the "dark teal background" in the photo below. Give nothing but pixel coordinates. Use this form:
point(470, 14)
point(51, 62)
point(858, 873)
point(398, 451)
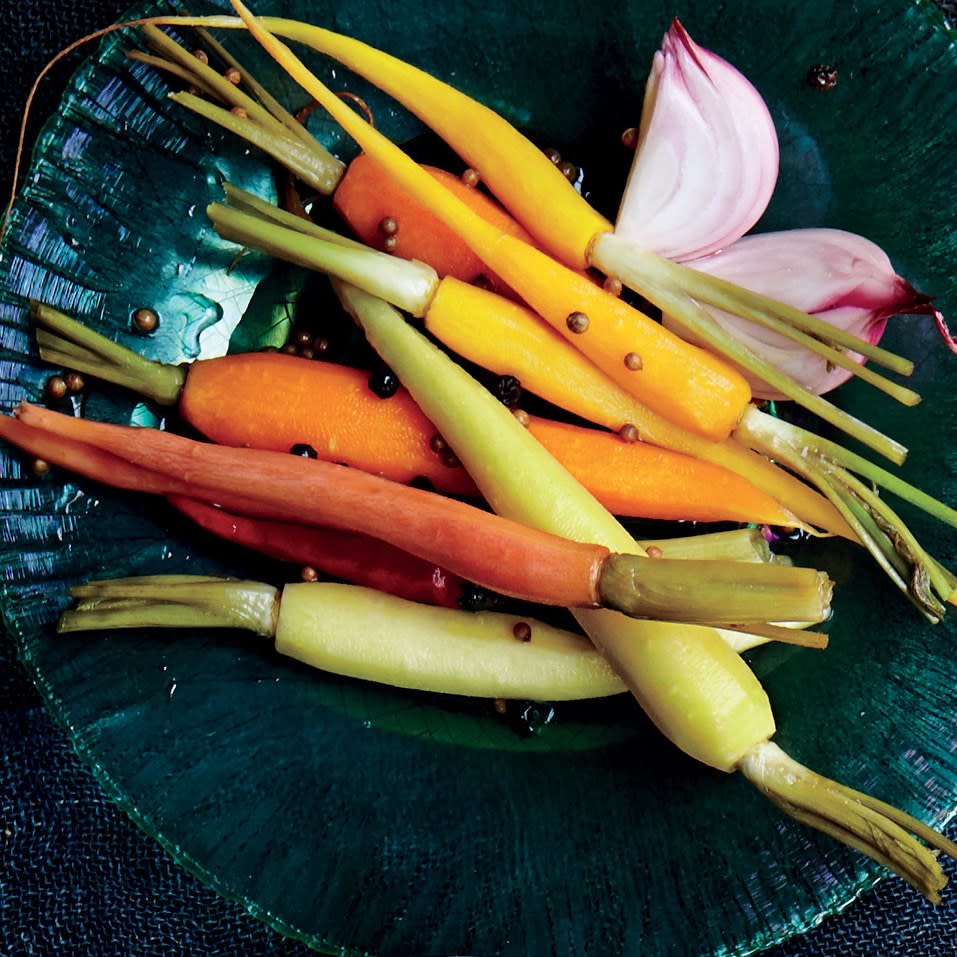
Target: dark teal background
point(77, 877)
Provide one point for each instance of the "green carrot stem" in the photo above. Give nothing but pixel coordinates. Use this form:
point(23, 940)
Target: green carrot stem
point(735, 545)
point(726, 295)
point(267, 125)
point(174, 601)
point(408, 285)
point(246, 202)
point(652, 276)
point(64, 341)
point(879, 528)
point(874, 827)
point(718, 591)
point(277, 143)
point(760, 427)
point(800, 637)
point(267, 99)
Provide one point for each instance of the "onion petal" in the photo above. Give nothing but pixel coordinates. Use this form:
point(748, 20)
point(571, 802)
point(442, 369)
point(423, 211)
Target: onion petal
point(707, 155)
point(838, 276)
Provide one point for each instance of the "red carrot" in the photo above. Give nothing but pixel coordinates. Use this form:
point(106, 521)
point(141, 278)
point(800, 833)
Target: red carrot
point(355, 558)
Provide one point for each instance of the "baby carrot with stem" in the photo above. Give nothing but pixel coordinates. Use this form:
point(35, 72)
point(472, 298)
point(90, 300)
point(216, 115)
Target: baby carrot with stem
point(709, 703)
point(361, 633)
point(331, 409)
point(362, 191)
point(497, 553)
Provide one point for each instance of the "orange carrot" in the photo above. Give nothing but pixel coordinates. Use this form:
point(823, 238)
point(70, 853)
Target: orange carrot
point(331, 409)
point(367, 196)
point(320, 404)
point(485, 548)
point(669, 485)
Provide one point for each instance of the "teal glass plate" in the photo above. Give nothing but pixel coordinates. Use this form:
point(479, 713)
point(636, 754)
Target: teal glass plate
point(367, 820)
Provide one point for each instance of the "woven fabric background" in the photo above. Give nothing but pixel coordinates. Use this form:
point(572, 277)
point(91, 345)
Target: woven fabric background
point(76, 876)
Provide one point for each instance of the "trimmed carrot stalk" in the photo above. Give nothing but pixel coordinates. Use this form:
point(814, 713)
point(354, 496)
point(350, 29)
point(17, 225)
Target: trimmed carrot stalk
point(683, 382)
point(331, 408)
point(361, 633)
point(368, 196)
point(706, 701)
point(356, 558)
point(491, 551)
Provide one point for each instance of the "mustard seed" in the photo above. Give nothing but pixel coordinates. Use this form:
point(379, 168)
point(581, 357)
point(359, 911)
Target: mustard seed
point(577, 322)
point(56, 387)
point(522, 631)
point(145, 319)
point(471, 177)
point(612, 285)
point(633, 361)
point(629, 138)
point(568, 170)
point(629, 433)
point(389, 226)
point(74, 381)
